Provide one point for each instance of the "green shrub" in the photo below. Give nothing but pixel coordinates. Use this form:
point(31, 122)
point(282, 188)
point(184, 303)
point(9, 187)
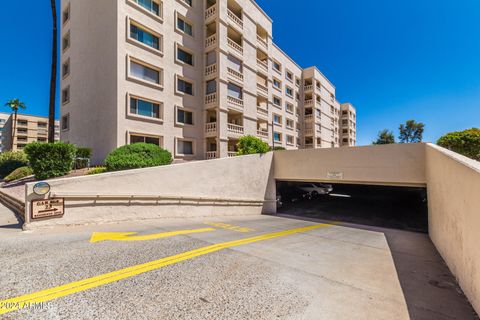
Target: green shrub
point(19, 173)
point(465, 142)
point(97, 170)
point(138, 155)
point(278, 149)
point(49, 160)
point(11, 160)
point(251, 145)
point(82, 157)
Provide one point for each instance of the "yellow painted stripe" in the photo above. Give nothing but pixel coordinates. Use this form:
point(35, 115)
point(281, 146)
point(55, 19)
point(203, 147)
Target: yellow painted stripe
point(20, 302)
point(131, 236)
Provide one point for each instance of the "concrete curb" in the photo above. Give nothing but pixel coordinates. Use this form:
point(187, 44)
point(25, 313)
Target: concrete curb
point(17, 206)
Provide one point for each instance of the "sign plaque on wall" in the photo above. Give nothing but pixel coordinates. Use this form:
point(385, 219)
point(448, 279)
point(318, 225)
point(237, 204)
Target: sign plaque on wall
point(335, 175)
point(47, 208)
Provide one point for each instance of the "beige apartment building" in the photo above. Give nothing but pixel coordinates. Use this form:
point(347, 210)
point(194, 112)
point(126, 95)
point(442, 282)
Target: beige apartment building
point(348, 125)
point(192, 76)
point(28, 129)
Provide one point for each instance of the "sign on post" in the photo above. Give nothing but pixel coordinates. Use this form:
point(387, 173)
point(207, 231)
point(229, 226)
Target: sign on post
point(48, 208)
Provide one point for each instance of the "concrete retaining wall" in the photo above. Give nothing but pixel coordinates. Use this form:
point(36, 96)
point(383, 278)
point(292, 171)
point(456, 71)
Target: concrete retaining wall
point(217, 187)
point(400, 164)
point(454, 215)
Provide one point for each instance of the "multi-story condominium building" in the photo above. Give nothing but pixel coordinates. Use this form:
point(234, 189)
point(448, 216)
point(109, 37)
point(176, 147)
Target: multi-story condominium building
point(348, 125)
point(28, 129)
point(192, 76)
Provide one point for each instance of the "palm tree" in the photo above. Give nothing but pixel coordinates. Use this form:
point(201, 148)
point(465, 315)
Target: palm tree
point(53, 77)
point(14, 105)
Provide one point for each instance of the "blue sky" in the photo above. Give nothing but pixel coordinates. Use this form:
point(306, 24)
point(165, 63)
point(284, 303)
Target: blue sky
point(394, 60)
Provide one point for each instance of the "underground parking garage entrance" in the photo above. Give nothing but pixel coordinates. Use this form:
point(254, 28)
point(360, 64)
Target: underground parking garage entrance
point(401, 215)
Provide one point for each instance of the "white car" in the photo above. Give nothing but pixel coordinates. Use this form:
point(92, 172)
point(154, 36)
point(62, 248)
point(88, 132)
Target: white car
point(315, 189)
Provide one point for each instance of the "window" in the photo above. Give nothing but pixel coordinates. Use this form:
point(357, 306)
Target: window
point(297, 82)
point(41, 124)
point(277, 66)
point(290, 124)
point(184, 26)
point(289, 76)
point(22, 122)
point(235, 91)
point(66, 14)
point(277, 84)
point(134, 138)
point(66, 68)
point(144, 108)
point(66, 95)
point(144, 73)
point(66, 41)
point(150, 5)
point(184, 147)
point(65, 122)
point(184, 117)
point(290, 140)
point(277, 101)
point(289, 107)
point(184, 56)
point(144, 36)
point(289, 91)
point(277, 119)
point(277, 136)
point(184, 86)
point(189, 2)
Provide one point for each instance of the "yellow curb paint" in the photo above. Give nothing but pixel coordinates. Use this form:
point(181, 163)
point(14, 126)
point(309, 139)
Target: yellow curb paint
point(21, 302)
point(129, 236)
point(231, 227)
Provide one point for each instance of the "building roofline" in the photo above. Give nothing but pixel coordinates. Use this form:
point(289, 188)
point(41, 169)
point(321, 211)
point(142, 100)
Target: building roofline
point(261, 10)
point(315, 67)
point(286, 55)
point(26, 114)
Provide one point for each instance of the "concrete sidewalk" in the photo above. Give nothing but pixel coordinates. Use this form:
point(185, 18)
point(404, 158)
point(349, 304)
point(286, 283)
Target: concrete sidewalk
point(9, 222)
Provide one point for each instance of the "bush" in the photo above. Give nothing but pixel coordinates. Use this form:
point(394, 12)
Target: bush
point(82, 157)
point(464, 142)
point(97, 170)
point(19, 173)
point(49, 160)
point(251, 145)
point(11, 160)
point(138, 155)
point(278, 149)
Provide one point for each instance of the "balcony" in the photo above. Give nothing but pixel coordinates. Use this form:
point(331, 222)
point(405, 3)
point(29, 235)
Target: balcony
point(211, 41)
point(308, 145)
point(209, 155)
point(262, 89)
point(211, 98)
point(263, 43)
point(262, 112)
point(309, 103)
point(308, 88)
point(263, 65)
point(210, 12)
point(211, 70)
point(235, 46)
point(232, 16)
point(235, 102)
point(262, 134)
point(211, 129)
point(235, 129)
point(232, 154)
point(235, 74)
point(309, 117)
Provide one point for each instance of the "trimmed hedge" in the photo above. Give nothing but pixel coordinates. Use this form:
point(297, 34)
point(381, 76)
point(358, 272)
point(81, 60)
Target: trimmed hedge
point(19, 173)
point(137, 155)
point(49, 160)
point(96, 170)
point(11, 160)
point(251, 145)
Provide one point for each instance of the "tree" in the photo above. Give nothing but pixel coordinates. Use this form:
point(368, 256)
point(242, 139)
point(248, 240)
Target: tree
point(411, 132)
point(14, 105)
point(465, 142)
point(385, 137)
point(53, 76)
point(251, 145)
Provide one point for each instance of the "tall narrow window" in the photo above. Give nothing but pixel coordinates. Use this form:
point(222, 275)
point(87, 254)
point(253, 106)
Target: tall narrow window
point(144, 37)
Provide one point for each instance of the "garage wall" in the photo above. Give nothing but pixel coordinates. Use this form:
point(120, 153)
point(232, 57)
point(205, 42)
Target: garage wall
point(236, 179)
point(400, 164)
point(454, 215)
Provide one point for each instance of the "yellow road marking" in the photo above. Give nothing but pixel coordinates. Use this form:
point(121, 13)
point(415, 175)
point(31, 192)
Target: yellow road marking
point(129, 236)
point(229, 227)
point(24, 301)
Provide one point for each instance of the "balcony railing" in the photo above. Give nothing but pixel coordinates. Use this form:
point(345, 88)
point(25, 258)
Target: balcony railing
point(211, 155)
point(235, 18)
point(211, 98)
point(210, 12)
point(263, 65)
point(211, 69)
point(309, 103)
point(232, 154)
point(309, 117)
point(308, 87)
point(235, 74)
point(262, 134)
point(235, 101)
point(262, 42)
point(308, 145)
point(234, 128)
point(211, 127)
point(262, 111)
point(235, 46)
point(263, 89)
point(309, 131)
point(211, 41)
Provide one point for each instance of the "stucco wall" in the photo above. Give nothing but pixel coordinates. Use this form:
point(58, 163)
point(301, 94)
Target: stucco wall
point(241, 178)
point(454, 215)
point(386, 165)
